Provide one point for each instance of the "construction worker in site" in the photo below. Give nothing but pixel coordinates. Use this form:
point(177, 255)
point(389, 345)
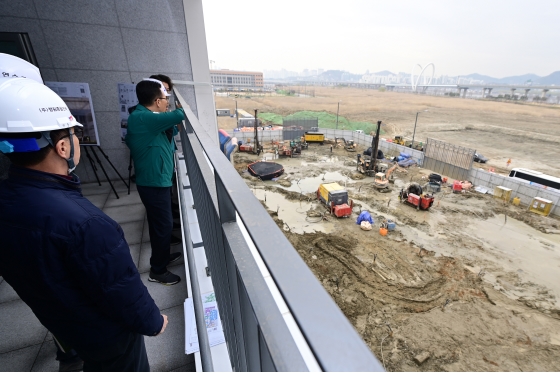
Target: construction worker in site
point(66, 259)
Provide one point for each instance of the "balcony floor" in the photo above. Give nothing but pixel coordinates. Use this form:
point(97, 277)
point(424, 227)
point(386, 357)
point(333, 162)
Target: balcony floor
point(26, 345)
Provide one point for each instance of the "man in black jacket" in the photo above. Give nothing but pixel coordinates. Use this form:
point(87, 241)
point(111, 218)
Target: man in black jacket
point(63, 256)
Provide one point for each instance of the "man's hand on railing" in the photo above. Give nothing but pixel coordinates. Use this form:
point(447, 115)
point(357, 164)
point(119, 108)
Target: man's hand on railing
point(164, 324)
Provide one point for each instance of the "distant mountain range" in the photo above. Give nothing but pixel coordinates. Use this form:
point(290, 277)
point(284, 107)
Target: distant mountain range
point(533, 79)
point(339, 76)
point(551, 79)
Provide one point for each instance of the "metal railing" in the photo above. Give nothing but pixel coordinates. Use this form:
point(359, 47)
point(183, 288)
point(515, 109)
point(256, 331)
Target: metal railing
point(258, 333)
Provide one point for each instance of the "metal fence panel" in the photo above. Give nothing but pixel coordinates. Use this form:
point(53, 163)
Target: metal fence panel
point(448, 159)
point(294, 129)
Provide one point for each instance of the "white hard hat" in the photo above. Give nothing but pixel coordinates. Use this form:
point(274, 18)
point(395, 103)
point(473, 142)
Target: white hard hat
point(28, 106)
point(15, 67)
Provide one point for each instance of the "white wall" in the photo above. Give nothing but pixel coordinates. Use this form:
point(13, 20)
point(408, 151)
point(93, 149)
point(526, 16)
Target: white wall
point(524, 191)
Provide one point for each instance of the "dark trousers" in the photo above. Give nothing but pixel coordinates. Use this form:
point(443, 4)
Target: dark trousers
point(128, 355)
point(160, 223)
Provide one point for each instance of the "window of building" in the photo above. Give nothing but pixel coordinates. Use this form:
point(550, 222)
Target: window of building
point(19, 45)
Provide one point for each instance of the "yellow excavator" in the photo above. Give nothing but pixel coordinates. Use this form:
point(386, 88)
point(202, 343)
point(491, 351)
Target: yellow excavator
point(382, 179)
point(349, 145)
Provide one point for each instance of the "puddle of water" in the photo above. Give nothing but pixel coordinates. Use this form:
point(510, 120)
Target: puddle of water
point(268, 157)
point(293, 213)
point(328, 159)
point(311, 184)
point(531, 253)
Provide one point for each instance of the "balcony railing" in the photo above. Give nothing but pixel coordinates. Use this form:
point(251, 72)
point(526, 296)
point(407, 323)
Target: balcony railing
point(276, 315)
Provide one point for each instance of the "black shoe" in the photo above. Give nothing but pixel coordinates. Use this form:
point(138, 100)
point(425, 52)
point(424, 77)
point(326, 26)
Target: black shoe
point(173, 257)
point(166, 278)
point(175, 241)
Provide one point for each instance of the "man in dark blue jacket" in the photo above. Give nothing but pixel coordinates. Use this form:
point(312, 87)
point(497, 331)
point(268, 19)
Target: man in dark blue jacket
point(63, 256)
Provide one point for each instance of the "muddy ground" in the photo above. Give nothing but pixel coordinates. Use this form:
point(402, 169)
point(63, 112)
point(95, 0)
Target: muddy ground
point(470, 285)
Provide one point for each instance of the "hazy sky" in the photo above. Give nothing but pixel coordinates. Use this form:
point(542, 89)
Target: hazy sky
point(491, 37)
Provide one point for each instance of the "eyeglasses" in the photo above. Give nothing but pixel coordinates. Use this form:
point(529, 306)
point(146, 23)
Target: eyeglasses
point(162, 98)
point(78, 132)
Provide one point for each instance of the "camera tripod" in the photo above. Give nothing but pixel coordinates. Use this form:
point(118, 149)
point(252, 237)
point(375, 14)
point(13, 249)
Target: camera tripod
point(93, 166)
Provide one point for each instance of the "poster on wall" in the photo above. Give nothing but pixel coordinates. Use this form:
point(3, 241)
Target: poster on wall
point(127, 99)
point(77, 97)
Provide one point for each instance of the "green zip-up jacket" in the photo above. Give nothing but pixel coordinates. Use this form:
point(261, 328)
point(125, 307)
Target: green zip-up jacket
point(150, 149)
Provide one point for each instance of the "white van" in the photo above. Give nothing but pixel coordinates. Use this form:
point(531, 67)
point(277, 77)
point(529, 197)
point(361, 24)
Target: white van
point(359, 131)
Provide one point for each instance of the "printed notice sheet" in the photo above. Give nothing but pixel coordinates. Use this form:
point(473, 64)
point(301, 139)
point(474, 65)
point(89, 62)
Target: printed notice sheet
point(211, 318)
point(127, 100)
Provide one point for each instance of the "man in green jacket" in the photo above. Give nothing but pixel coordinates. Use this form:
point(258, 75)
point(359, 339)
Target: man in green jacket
point(153, 162)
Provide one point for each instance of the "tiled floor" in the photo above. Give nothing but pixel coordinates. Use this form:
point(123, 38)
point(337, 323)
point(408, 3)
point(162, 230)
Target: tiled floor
point(26, 345)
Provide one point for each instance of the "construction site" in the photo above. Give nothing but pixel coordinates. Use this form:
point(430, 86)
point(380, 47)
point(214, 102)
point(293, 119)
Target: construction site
point(433, 274)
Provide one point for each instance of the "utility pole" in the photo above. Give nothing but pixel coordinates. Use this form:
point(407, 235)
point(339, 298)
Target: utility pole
point(337, 110)
point(236, 112)
point(257, 145)
point(414, 133)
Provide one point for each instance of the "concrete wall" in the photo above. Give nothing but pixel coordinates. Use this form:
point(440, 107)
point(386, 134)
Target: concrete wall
point(524, 191)
point(104, 42)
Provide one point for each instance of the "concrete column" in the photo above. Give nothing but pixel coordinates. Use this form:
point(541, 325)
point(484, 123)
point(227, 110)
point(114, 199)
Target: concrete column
point(544, 93)
point(512, 92)
point(459, 91)
point(527, 92)
point(489, 91)
point(465, 92)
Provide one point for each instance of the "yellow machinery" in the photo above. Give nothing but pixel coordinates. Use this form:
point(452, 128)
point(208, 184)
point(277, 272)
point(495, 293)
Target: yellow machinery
point(402, 141)
point(399, 140)
point(349, 145)
point(336, 198)
point(502, 193)
point(540, 206)
point(382, 179)
point(314, 137)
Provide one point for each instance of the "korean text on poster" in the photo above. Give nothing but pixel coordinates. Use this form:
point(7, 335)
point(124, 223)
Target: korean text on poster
point(127, 102)
point(77, 97)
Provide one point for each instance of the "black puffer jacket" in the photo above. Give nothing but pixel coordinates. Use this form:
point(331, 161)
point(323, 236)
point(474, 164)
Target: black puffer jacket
point(70, 262)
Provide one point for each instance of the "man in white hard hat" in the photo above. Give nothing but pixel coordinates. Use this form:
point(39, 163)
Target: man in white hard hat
point(66, 259)
point(15, 67)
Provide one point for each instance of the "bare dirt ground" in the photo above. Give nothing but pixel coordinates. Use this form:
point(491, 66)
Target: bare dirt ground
point(470, 285)
point(528, 134)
